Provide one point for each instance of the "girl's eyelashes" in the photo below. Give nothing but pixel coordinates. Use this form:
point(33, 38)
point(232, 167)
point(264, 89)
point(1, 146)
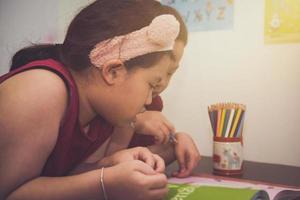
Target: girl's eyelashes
point(172, 71)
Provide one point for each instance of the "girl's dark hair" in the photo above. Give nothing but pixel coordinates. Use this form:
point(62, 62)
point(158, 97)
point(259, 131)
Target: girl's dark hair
point(101, 20)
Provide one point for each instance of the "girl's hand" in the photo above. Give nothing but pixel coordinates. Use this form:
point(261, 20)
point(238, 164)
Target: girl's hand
point(137, 153)
point(155, 124)
point(134, 180)
point(187, 155)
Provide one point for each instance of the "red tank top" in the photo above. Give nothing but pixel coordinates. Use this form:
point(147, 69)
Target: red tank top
point(73, 145)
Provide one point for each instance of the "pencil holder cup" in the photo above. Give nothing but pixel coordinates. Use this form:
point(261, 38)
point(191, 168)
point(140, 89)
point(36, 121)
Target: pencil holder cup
point(227, 156)
point(227, 121)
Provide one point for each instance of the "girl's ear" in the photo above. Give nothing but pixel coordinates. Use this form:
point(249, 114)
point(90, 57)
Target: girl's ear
point(113, 71)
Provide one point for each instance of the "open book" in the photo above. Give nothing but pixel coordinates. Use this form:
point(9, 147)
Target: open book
point(219, 188)
point(198, 192)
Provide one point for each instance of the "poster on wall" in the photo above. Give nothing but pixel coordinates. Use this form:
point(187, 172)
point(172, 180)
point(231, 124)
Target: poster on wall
point(204, 15)
point(282, 21)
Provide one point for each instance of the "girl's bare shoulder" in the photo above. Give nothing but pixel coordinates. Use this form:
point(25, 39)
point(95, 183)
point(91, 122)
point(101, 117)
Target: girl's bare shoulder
point(32, 105)
point(35, 80)
point(33, 99)
point(34, 86)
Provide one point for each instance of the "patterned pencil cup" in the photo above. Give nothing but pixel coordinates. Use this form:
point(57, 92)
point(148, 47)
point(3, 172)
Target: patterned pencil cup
point(227, 121)
point(227, 156)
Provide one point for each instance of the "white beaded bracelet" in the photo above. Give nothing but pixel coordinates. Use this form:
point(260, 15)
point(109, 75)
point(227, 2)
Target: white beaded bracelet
point(102, 183)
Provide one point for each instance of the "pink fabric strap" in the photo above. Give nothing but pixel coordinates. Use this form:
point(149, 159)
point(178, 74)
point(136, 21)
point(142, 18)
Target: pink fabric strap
point(160, 35)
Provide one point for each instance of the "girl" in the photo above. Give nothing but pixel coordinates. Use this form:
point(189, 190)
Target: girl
point(60, 103)
point(153, 123)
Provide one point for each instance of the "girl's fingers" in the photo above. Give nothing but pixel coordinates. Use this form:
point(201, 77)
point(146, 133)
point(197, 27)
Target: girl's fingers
point(181, 162)
point(159, 138)
point(159, 163)
point(169, 125)
point(157, 181)
point(159, 193)
point(191, 162)
point(143, 168)
point(146, 156)
point(165, 136)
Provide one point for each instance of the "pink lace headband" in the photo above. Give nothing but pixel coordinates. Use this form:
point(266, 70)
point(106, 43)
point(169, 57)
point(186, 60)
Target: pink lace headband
point(160, 35)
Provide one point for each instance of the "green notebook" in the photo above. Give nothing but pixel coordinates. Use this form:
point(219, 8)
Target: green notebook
point(198, 192)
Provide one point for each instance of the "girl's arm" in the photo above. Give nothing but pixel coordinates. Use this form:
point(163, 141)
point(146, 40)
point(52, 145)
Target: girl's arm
point(133, 180)
point(137, 153)
point(166, 151)
point(83, 186)
point(32, 105)
point(185, 151)
point(29, 122)
point(119, 140)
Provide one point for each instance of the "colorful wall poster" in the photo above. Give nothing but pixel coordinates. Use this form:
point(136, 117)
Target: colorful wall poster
point(204, 15)
point(282, 21)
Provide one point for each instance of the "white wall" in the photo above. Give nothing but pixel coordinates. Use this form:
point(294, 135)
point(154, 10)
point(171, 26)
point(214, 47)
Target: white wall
point(33, 21)
point(236, 66)
point(217, 66)
point(23, 23)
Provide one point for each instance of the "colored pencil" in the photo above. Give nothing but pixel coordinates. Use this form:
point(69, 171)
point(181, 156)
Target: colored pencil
point(227, 119)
